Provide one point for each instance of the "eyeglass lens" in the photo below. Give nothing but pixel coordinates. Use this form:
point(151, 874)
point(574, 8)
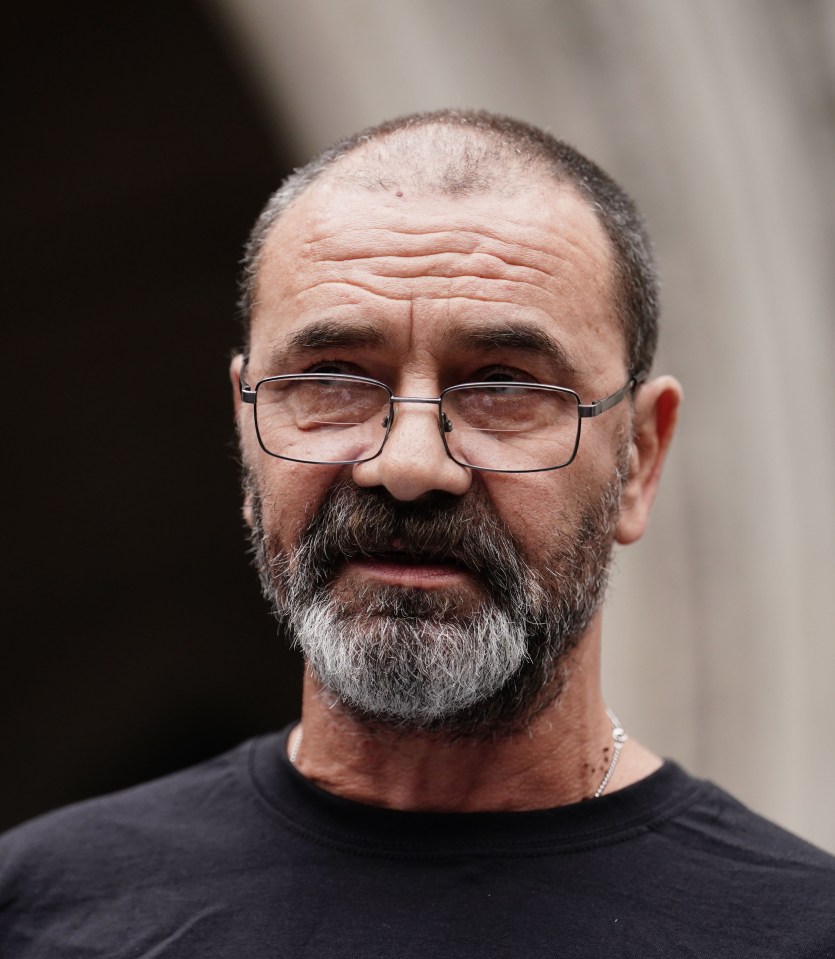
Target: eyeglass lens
point(502, 427)
point(321, 420)
point(511, 427)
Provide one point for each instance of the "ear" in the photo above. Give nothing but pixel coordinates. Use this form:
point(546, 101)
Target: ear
point(656, 411)
point(235, 368)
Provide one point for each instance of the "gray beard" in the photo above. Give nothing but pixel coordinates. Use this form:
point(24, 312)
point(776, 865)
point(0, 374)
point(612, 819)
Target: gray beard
point(440, 661)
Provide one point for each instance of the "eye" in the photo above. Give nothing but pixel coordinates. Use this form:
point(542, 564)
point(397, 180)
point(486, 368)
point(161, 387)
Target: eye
point(333, 366)
point(502, 374)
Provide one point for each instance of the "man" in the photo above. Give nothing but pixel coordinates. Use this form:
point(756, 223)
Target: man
point(446, 421)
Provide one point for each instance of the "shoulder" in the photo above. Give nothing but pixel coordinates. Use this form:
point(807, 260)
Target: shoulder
point(92, 844)
point(133, 867)
point(702, 868)
point(737, 869)
point(718, 825)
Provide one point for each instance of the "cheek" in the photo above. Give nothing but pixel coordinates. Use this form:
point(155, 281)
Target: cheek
point(542, 510)
point(533, 508)
point(290, 495)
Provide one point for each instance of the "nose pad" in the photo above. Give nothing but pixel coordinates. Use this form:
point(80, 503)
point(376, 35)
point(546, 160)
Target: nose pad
point(445, 424)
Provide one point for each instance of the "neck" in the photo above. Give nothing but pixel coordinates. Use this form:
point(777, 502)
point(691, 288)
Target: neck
point(561, 757)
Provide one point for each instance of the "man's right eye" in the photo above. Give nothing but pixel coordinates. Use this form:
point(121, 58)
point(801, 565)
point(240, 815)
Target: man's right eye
point(333, 366)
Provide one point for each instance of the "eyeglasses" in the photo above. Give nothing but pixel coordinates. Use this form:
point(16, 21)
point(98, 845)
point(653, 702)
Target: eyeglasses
point(335, 419)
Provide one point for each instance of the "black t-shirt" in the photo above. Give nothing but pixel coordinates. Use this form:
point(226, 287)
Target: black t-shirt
point(242, 857)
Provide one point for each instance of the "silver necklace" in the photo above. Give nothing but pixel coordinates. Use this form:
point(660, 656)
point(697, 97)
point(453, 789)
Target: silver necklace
point(619, 737)
point(293, 755)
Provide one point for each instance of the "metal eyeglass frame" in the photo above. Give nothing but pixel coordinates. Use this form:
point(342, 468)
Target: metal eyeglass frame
point(584, 411)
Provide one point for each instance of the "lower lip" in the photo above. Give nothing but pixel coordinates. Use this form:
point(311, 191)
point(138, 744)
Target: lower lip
point(418, 575)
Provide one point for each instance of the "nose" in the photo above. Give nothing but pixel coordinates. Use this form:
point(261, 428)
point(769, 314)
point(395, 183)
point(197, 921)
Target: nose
point(414, 461)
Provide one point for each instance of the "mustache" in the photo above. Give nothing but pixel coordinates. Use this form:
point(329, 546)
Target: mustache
point(353, 522)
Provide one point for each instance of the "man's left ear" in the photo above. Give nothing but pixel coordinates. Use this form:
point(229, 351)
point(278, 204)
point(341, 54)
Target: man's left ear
point(656, 412)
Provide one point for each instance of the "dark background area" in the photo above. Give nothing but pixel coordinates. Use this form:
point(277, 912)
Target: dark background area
point(135, 640)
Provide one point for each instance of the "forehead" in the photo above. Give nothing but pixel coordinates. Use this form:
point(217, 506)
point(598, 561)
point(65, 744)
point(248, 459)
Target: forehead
point(347, 253)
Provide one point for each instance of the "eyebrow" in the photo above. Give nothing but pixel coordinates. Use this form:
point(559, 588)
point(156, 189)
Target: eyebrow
point(518, 336)
point(326, 334)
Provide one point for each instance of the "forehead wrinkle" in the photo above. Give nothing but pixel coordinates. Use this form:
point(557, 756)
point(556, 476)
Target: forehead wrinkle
point(538, 255)
point(478, 265)
point(577, 267)
point(543, 250)
point(467, 289)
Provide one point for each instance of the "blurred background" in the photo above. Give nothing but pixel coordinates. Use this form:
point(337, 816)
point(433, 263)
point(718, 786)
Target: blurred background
point(146, 136)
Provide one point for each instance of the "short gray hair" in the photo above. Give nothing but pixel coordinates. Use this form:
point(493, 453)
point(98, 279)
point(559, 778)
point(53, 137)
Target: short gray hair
point(486, 150)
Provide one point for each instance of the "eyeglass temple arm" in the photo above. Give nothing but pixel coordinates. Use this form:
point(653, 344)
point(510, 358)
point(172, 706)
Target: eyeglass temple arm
point(595, 409)
point(247, 392)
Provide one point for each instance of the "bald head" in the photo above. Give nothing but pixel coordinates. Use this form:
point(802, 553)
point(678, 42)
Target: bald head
point(458, 154)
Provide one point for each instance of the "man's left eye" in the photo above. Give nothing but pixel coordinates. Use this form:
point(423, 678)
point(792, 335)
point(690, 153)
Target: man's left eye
point(332, 366)
point(502, 376)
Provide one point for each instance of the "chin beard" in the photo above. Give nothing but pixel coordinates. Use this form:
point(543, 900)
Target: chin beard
point(471, 662)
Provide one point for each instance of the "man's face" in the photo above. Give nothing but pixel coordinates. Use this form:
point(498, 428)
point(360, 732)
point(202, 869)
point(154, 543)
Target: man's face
point(421, 592)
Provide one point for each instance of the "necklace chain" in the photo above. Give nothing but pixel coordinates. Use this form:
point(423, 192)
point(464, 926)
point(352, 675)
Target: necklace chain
point(293, 754)
point(619, 737)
